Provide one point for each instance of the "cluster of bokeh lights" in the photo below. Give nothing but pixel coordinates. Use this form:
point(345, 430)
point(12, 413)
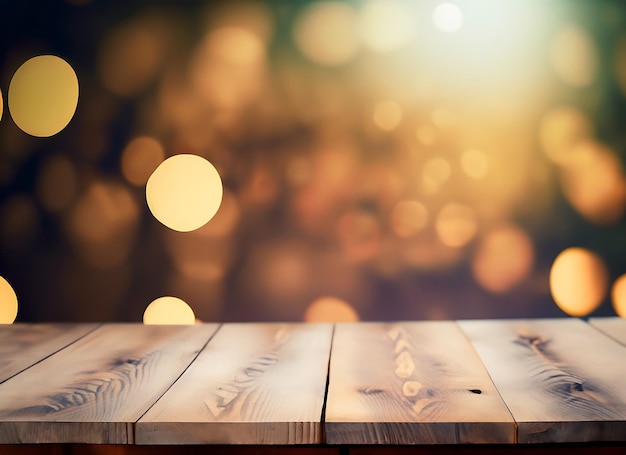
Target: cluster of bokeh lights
point(428, 196)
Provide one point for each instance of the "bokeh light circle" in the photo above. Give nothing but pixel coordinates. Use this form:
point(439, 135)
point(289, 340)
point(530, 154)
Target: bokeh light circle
point(578, 281)
point(618, 296)
point(8, 302)
point(330, 309)
point(184, 192)
point(43, 95)
point(448, 17)
point(168, 311)
point(1, 105)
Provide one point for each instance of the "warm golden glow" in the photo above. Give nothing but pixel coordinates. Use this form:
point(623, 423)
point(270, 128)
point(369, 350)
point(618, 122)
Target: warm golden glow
point(595, 184)
point(561, 129)
point(1, 105)
point(140, 158)
point(475, 164)
point(503, 259)
point(456, 225)
point(43, 95)
point(578, 281)
point(408, 218)
point(102, 224)
point(618, 296)
point(359, 234)
point(330, 309)
point(57, 184)
point(574, 57)
point(387, 115)
point(8, 302)
point(385, 25)
point(169, 311)
point(184, 192)
point(448, 17)
point(435, 173)
point(325, 33)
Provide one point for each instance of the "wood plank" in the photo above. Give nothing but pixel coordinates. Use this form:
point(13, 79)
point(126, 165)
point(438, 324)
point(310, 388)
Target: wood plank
point(562, 380)
point(93, 390)
point(613, 327)
point(411, 383)
point(253, 384)
point(23, 345)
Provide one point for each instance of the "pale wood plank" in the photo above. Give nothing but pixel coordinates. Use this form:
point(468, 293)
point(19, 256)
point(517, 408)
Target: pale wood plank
point(411, 383)
point(253, 384)
point(22, 345)
point(613, 327)
point(93, 390)
point(562, 380)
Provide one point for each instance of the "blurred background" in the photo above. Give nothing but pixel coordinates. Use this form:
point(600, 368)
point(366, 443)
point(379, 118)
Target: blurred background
point(379, 159)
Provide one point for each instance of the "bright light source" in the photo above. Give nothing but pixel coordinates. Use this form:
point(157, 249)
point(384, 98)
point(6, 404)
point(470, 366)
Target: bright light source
point(169, 311)
point(448, 17)
point(8, 302)
point(184, 192)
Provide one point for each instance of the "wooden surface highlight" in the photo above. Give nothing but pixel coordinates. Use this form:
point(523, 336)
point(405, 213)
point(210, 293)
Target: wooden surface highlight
point(96, 388)
point(562, 380)
point(411, 383)
point(613, 327)
point(23, 345)
point(252, 384)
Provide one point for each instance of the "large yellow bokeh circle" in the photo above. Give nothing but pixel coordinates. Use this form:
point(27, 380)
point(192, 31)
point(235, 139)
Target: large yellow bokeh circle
point(168, 311)
point(184, 192)
point(8, 302)
point(43, 95)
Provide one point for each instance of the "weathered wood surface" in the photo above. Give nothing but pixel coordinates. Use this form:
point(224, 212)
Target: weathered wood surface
point(613, 327)
point(252, 384)
point(23, 345)
point(562, 380)
point(411, 383)
point(96, 388)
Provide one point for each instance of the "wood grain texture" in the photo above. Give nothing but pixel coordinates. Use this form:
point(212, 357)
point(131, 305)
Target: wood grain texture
point(23, 345)
point(95, 389)
point(613, 327)
point(411, 383)
point(253, 384)
point(562, 380)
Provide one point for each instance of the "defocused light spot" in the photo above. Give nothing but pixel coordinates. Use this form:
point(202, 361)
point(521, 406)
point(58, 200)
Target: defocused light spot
point(456, 225)
point(359, 234)
point(448, 17)
point(435, 173)
point(595, 184)
point(57, 184)
point(184, 192)
point(102, 224)
point(140, 158)
point(408, 218)
point(503, 259)
point(226, 218)
point(227, 68)
point(325, 32)
point(19, 223)
point(573, 56)
point(578, 281)
point(385, 25)
point(387, 115)
point(561, 129)
point(475, 164)
point(443, 118)
point(8, 302)
point(43, 95)
point(250, 15)
point(426, 135)
point(1, 105)
point(330, 309)
point(618, 296)
point(169, 311)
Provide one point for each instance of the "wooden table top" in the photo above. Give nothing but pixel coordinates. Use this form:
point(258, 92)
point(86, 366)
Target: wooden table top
point(439, 382)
